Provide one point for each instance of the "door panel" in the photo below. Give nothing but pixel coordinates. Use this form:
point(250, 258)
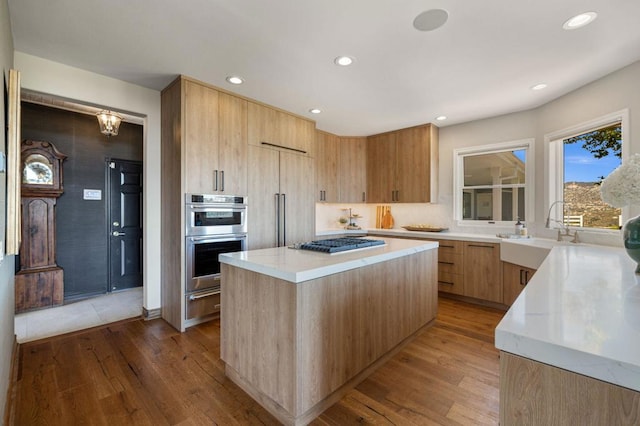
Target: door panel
point(263, 186)
point(297, 183)
point(125, 224)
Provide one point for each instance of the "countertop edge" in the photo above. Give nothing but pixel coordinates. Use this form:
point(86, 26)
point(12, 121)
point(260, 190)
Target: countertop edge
point(571, 315)
point(366, 257)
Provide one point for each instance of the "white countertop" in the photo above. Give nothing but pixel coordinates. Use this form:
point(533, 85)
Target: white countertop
point(302, 265)
point(444, 235)
point(579, 312)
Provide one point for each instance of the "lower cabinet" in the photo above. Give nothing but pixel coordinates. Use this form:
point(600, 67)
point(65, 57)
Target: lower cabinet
point(514, 279)
point(450, 267)
point(482, 272)
point(202, 304)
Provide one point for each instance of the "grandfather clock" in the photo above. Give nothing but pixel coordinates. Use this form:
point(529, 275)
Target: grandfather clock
point(40, 281)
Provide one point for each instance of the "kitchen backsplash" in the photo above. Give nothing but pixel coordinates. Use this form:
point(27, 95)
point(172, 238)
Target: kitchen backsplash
point(328, 215)
point(437, 215)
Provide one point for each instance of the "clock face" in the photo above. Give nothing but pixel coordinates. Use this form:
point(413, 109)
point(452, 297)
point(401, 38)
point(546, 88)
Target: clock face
point(37, 170)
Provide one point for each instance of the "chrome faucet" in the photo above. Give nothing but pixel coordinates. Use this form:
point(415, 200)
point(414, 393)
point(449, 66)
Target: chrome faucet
point(564, 230)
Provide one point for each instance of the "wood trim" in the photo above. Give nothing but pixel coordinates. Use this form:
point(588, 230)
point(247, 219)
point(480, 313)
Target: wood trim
point(14, 162)
point(12, 391)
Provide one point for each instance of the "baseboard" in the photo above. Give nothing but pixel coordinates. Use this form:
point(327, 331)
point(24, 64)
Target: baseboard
point(12, 391)
point(149, 314)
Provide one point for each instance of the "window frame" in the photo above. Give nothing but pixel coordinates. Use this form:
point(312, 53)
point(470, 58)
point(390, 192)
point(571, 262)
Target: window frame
point(458, 179)
point(554, 147)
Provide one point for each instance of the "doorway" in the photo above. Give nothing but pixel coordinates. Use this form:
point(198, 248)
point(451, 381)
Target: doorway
point(124, 223)
point(82, 211)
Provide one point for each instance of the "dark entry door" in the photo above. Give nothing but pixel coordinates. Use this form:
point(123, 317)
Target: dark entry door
point(125, 224)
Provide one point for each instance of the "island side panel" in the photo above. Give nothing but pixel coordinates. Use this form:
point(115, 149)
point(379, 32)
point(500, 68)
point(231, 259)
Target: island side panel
point(257, 333)
point(347, 321)
point(535, 393)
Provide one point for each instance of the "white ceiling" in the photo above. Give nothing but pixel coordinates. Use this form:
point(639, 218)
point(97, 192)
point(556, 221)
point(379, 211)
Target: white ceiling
point(481, 63)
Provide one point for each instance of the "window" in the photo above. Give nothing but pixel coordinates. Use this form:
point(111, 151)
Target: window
point(580, 158)
point(494, 183)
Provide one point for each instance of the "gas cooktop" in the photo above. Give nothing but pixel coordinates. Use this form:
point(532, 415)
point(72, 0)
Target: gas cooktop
point(335, 245)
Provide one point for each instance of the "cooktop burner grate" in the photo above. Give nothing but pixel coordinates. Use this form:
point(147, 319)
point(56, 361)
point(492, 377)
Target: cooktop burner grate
point(335, 245)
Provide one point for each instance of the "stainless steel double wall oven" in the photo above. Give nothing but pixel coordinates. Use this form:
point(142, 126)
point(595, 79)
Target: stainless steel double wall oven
point(215, 224)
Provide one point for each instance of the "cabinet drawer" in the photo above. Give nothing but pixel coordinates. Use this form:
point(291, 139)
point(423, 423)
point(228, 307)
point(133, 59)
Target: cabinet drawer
point(450, 262)
point(202, 304)
point(450, 283)
point(450, 246)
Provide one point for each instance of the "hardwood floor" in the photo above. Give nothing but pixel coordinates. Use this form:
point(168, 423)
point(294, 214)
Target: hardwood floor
point(145, 373)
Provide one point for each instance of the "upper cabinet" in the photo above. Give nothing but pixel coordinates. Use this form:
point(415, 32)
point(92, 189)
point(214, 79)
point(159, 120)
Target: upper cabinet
point(272, 127)
point(232, 148)
point(341, 168)
point(327, 180)
point(352, 169)
point(402, 165)
point(214, 141)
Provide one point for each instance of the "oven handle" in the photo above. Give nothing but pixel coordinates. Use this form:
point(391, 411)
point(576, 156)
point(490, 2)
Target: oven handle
point(217, 207)
point(218, 238)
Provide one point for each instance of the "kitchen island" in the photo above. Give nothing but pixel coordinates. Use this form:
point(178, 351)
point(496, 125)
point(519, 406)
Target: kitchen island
point(301, 328)
point(570, 344)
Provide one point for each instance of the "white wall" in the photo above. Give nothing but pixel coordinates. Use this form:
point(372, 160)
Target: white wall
point(7, 333)
point(85, 87)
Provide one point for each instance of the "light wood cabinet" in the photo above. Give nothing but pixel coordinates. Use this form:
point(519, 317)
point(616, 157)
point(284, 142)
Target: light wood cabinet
point(381, 168)
point(402, 165)
point(215, 148)
point(533, 393)
point(352, 169)
point(281, 194)
point(327, 181)
point(200, 141)
point(267, 125)
point(204, 150)
point(514, 279)
point(482, 271)
point(451, 267)
point(341, 168)
point(232, 150)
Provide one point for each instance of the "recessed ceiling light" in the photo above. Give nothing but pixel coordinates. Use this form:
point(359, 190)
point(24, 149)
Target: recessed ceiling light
point(430, 20)
point(538, 86)
point(234, 79)
point(441, 117)
point(343, 61)
point(579, 21)
point(315, 111)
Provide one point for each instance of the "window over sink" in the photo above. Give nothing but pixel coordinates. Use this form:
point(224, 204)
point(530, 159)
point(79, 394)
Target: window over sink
point(580, 157)
point(494, 183)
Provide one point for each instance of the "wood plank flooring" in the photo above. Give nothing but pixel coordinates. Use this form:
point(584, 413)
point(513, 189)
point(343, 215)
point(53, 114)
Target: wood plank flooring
point(145, 373)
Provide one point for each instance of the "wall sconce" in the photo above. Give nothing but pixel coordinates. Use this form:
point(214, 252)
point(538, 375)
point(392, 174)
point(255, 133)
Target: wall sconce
point(109, 122)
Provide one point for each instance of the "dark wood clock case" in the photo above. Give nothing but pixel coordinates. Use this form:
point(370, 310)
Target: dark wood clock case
point(40, 281)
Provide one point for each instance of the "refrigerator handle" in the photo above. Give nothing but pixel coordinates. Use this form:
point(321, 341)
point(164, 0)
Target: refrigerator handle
point(277, 220)
point(284, 219)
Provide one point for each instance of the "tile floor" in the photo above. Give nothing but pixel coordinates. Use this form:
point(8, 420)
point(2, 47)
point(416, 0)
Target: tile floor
point(78, 315)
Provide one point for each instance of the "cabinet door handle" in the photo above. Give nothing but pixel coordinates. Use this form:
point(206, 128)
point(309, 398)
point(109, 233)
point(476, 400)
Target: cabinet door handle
point(221, 180)
point(446, 282)
point(203, 295)
point(477, 245)
point(363, 197)
point(446, 263)
point(215, 180)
